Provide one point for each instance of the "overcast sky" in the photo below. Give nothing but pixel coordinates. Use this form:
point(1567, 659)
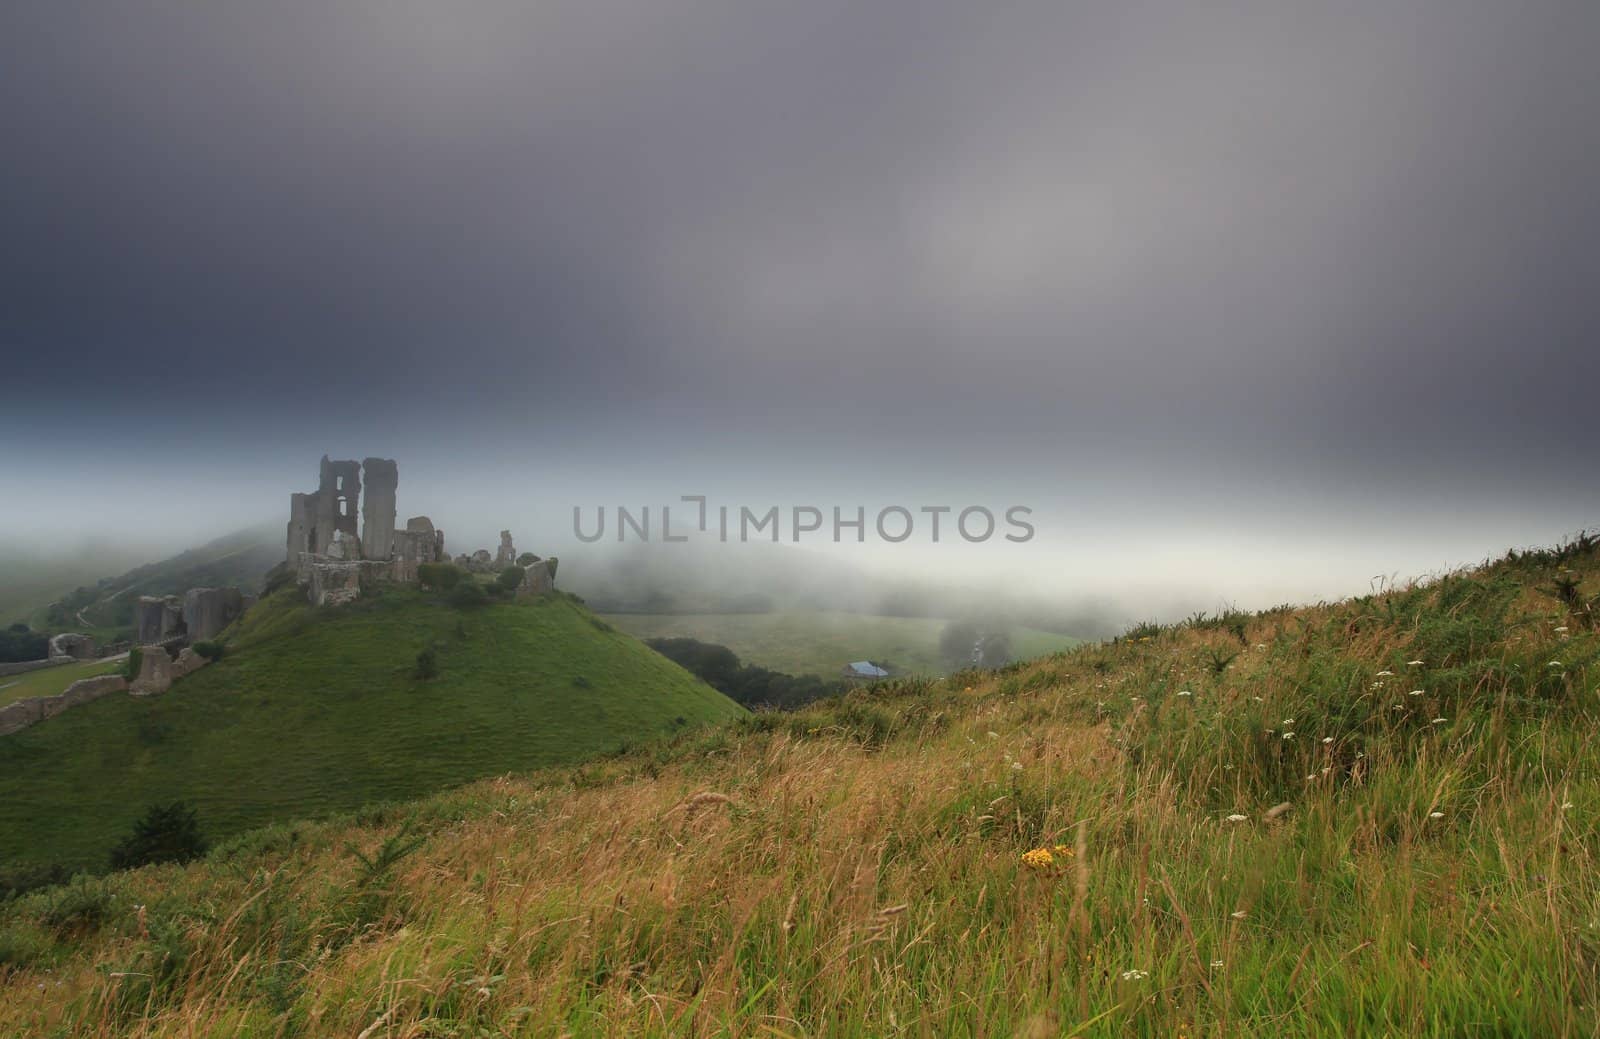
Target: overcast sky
point(1257, 299)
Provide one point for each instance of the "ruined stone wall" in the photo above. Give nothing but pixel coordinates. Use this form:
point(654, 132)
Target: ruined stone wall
point(316, 519)
point(419, 543)
point(206, 611)
point(157, 618)
point(15, 717)
point(538, 579)
point(71, 646)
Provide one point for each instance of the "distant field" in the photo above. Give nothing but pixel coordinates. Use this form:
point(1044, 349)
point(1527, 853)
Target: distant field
point(817, 642)
point(51, 680)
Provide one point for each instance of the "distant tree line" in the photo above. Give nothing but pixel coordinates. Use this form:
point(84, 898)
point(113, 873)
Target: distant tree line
point(746, 684)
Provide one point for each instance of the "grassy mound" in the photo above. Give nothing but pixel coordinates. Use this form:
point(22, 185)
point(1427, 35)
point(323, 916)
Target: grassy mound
point(1376, 817)
point(319, 710)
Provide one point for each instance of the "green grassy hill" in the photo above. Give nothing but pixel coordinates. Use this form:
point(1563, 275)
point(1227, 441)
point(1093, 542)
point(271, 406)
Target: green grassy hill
point(821, 642)
point(317, 710)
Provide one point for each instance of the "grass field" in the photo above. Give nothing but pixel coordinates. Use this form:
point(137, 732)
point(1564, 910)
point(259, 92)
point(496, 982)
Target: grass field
point(1378, 817)
point(801, 642)
point(51, 680)
point(318, 710)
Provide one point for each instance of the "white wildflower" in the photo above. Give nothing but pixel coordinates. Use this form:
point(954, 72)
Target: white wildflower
point(1565, 805)
point(1237, 818)
point(1414, 663)
point(1438, 721)
point(1435, 815)
point(1288, 735)
point(1288, 721)
point(1416, 692)
point(1554, 663)
point(1216, 964)
point(1385, 674)
point(1238, 914)
point(1327, 739)
point(1135, 975)
point(1184, 692)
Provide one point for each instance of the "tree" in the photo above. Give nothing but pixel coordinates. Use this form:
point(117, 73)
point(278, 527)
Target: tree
point(166, 833)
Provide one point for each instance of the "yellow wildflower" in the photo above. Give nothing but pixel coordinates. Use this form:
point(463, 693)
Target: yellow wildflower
point(1038, 858)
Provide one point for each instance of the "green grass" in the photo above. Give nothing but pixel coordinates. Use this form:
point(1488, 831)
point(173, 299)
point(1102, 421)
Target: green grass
point(821, 642)
point(51, 680)
point(313, 711)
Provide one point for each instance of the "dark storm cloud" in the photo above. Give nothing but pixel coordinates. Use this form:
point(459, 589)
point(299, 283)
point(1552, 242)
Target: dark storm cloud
point(1312, 242)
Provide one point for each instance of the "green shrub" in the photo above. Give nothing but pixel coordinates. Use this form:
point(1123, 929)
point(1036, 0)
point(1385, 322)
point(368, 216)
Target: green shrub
point(212, 651)
point(427, 664)
point(79, 907)
point(468, 595)
point(510, 578)
point(166, 833)
point(441, 576)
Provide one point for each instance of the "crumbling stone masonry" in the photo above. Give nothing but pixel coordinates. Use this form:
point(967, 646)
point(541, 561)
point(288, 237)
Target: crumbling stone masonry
point(158, 669)
point(315, 518)
point(419, 543)
point(333, 563)
point(327, 554)
point(72, 646)
point(157, 619)
point(507, 555)
point(206, 611)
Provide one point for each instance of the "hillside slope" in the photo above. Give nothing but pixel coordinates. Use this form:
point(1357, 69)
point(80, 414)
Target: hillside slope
point(105, 608)
point(317, 710)
point(1089, 844)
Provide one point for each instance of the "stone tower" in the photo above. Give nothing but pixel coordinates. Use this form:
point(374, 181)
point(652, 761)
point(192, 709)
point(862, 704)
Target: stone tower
point(377, 509)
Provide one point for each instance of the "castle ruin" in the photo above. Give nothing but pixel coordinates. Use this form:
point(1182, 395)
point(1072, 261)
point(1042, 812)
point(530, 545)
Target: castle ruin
point(333, 561)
